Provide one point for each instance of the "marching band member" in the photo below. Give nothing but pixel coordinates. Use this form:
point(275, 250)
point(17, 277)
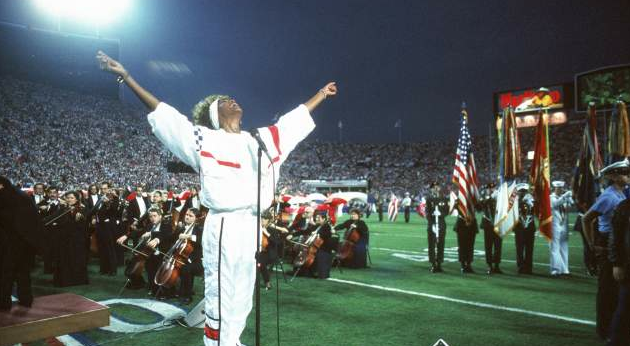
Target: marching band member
point(225, 158)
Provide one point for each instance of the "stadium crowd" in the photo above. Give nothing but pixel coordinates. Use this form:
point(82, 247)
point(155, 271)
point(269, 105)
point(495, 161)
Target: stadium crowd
point(71, 140)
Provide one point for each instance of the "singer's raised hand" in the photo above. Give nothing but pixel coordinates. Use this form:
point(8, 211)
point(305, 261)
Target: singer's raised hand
point(108, 64)
point(329, 89)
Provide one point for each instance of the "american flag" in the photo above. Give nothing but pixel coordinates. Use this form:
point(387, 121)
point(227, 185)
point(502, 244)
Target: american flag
point(465, 174)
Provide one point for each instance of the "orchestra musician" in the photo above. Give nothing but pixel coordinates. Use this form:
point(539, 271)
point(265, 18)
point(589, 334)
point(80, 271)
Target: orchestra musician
point(270, 254)
point(107, 213)
point(49, 206)
point(170, 202)
point(38, 193)
point(323, 257)
point(157, 236)
point(192, 232)
point(192, 201)
point(360, 246)
point(138, 205)
point(92, 197)
point(70, 259)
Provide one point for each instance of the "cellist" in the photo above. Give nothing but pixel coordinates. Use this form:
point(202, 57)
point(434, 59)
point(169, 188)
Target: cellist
point(323, 257)
point(157, 236)
point(359, 248)
point(193, 233)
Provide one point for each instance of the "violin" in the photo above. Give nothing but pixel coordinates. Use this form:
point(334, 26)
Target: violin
point(350, 238)
point(65, 210)
point(265, 240)
point(176, 257)
point(266, 235)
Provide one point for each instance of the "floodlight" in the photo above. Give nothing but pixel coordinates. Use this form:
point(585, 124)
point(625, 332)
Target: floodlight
point(98, 12)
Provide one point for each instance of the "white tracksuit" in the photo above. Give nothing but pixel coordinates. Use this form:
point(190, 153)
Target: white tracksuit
point(559, 245)
point(227, 165)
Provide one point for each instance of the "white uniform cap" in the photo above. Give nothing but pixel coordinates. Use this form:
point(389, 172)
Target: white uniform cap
point(615, 168)
point(557, 183)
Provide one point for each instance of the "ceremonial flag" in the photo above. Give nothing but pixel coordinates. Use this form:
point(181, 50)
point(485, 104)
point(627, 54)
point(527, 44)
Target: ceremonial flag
point(507, 209)
point(585, 185)
point(618, 145)
point(540, 175)
point(392, 209)
point(506, 216)
point(509, 146)
point(464, 173)
point(422, 207)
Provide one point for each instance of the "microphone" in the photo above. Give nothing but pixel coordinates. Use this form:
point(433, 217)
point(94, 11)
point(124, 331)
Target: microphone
point(254, 132)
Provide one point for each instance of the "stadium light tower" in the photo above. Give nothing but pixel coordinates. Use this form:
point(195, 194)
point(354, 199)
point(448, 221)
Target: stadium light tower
point(96, 12)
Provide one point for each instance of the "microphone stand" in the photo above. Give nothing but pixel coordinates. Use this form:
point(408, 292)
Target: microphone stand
point(261, 148)
point(257, 290)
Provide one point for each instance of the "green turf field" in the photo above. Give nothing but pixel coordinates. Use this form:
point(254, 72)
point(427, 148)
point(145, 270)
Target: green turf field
point(395, 302)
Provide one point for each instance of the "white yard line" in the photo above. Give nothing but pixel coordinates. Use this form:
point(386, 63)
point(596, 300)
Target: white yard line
point(467, 302)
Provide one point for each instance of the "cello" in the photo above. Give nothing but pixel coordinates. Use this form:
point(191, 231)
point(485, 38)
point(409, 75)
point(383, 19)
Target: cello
point(141, 252)
point(306, 256)
point(350, 238)
point(176, 257)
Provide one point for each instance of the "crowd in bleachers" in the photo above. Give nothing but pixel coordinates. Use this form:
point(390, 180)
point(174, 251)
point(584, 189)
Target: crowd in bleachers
point(71, 140)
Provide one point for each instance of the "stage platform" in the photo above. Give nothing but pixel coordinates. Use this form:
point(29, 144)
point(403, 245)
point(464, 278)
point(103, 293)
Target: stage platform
point(51, 316)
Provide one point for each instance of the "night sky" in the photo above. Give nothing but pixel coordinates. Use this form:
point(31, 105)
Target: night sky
point(409, 60)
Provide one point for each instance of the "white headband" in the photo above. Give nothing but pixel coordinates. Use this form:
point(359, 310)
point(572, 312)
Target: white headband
point(213, 113)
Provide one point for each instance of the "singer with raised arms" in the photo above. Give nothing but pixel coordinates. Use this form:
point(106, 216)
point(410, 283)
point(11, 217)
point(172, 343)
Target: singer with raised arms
point(226, 159)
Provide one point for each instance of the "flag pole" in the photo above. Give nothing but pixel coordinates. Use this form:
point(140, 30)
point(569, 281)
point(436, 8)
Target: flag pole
point(340, 138)
point(491, 170)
